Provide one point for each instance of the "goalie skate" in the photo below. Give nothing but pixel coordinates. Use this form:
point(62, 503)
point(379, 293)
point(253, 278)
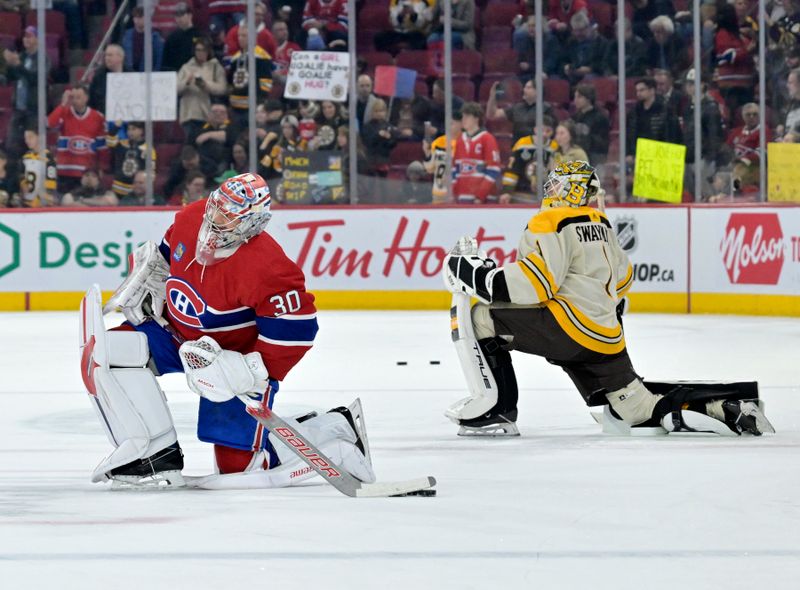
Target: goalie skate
point(746, 417)
point(490, 425)
point(161, 471)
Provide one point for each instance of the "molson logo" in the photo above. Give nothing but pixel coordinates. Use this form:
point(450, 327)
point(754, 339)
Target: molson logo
point(752, 249)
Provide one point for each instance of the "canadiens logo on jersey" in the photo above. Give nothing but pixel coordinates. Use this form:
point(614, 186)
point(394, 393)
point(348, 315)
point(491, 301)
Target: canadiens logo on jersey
point(184, 303)
point(79, 145)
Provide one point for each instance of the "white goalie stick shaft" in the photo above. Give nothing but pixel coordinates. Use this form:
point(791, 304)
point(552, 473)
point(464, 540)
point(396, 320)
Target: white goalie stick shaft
point(316, 459)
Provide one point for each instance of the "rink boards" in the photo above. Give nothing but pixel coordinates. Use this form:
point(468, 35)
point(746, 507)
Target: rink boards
point(707, 259)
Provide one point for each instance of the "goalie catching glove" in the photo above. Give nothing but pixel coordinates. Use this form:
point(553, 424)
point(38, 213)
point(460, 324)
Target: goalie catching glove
point(219, 375)
point(142, 294)
point(470, 271)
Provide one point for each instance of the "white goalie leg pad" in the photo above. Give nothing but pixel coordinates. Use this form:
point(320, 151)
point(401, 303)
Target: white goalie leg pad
point(128, 401)
point(332, 434)
point(633, 403)
point(480, 381)
point(691, 421)
point(130, 405)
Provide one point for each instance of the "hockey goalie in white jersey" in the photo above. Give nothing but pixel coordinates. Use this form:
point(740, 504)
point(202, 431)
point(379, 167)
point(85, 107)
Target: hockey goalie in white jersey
point(562, 300)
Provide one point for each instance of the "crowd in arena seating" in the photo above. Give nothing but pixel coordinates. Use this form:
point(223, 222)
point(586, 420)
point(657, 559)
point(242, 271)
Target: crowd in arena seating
point(92, 161)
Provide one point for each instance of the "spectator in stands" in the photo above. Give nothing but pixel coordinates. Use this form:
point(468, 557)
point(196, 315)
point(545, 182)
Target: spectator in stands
point(193, 189)
point(711, 134)
point(113, 62)
point(8, 185)
point(271, 154)
point(138, 195)
point(561, 12)
point(635, 54)
point(462, 23)
point(129, 155)
point(82, 137)
point(644, 11)
point(199, 79)
point(73, 18)
point(264, 38)
point(476, 159)
point(524, 43)
point(519, 177)
point(585, 50)
point(411, 22)
point(435, 162)
point(307, 128)
point(433, 110)
point(189, 161)
point(283, 51)
point(379, 137)
point(180, 44)
point(785, 31)
point(89, 193)
point(268, 118)
point(522, 115)
point(649, 119)
point(329, 119)
point(237, 78)
point(567, 149)
point(133, 44)
point(665, 50)
point(792, 116)
point(365, 100)
point(37, 177)
point(404, 116)
point(223, 14)
point(735, 66)
point(22, 71)
point(240, 162)
point(674, 98)
point(592, 126)
point(215, 139)
point(325, 22)
point(744, 141)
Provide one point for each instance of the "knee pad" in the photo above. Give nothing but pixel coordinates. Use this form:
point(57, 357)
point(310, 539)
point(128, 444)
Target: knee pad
point(634, 403)
point(482, 322)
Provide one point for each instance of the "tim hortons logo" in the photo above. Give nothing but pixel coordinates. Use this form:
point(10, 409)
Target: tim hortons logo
point(752, 248)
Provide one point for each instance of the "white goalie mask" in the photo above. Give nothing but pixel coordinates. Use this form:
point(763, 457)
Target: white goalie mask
point(570, 184)
point(236, 212)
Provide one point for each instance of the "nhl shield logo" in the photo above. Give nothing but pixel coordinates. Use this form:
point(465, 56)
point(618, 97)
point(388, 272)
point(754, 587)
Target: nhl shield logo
point(626, 233)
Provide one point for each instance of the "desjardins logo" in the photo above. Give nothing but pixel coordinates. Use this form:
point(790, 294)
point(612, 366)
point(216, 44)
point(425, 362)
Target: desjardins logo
point(9, 243)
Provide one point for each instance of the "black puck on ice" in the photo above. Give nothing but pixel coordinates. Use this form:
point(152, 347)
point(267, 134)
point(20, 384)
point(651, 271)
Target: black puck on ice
point(434, 362)
point(402, 363)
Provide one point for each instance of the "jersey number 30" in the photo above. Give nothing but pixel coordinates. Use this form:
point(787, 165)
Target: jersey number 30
point(289, 302)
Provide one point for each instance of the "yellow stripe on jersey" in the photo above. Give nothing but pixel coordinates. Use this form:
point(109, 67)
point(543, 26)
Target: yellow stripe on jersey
point(541, 266)
point(625, 284)
point(583, 330)
point(535, 279)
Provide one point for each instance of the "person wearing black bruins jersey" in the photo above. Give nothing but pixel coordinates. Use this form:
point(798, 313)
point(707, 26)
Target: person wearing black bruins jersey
point(561, 300)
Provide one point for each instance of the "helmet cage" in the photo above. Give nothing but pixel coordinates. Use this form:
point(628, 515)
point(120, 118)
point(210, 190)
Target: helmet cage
point(571, 184)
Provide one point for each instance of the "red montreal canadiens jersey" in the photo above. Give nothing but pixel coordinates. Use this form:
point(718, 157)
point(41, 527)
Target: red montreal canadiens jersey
point(476, 167)
point(80, 139)
point(331, 13)
point(253, 301)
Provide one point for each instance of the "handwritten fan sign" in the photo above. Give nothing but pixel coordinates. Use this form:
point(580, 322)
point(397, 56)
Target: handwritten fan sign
point(318, 75)
point(126, 97)
point(659, 170)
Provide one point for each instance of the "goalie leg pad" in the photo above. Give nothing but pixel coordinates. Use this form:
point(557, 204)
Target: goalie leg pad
point(480, 380)
point(333, 434)
point(134, 411)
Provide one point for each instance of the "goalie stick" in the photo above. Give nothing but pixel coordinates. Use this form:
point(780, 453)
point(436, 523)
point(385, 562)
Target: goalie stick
point(314, 458)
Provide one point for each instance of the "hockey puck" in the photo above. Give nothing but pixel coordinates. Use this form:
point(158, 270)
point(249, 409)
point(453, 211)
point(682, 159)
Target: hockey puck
point(434, 362)
point(402, 363)
point(429, 493)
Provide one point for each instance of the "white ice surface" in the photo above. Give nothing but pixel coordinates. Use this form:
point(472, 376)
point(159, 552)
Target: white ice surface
point(560, 507)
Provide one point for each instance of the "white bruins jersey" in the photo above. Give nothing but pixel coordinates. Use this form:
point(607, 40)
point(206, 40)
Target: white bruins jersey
point(38, 181)
point(569, 259)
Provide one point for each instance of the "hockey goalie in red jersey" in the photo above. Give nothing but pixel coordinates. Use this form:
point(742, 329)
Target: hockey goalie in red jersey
point(220, 288)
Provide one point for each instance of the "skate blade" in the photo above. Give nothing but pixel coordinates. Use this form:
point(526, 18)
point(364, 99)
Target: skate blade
point(762, 423)
point(165, 480)
point(493, 430)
